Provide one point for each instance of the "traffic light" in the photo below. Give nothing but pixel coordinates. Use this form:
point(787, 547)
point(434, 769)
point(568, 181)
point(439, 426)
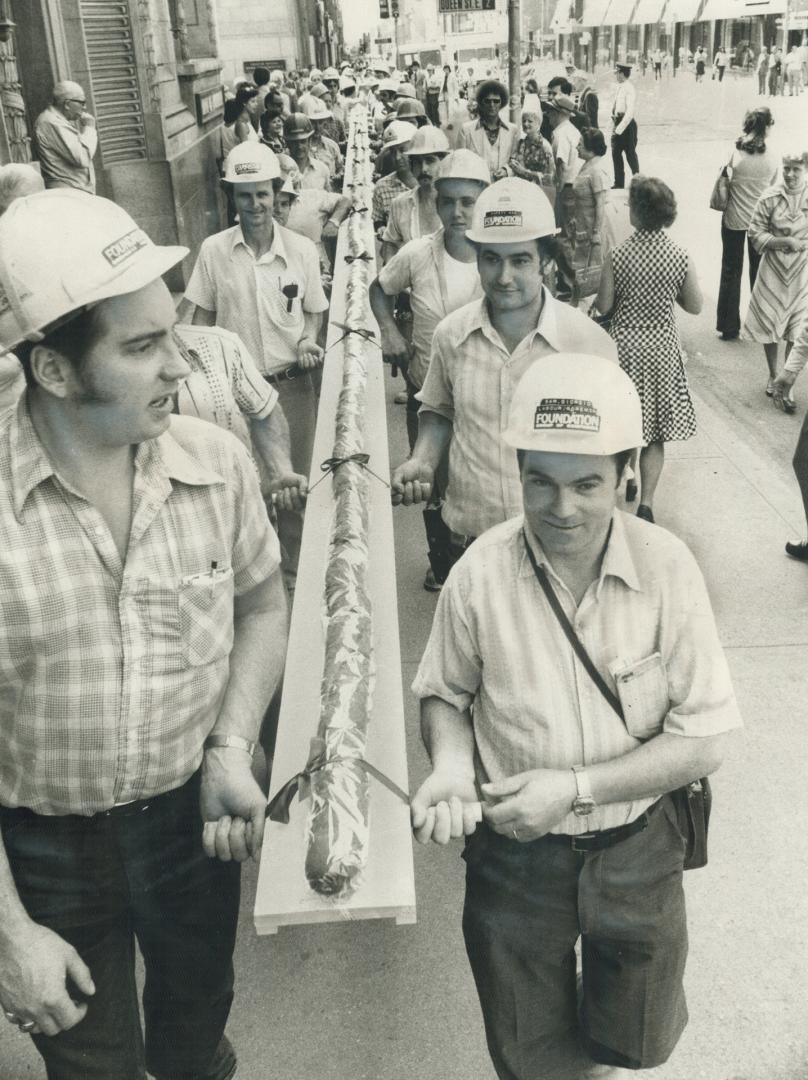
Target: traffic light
point(394, 8)
point(384, 9)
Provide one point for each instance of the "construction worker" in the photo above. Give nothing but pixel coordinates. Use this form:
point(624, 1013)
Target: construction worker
point(413, 214)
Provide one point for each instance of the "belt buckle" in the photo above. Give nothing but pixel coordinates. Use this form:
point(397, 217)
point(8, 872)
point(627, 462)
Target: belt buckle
point(582, 837)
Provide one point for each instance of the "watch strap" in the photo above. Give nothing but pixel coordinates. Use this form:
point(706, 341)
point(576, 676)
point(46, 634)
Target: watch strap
point(236, 741)
point(582, 782)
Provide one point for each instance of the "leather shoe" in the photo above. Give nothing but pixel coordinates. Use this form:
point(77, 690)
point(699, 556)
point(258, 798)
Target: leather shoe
point(645, 512)
point(798, 551)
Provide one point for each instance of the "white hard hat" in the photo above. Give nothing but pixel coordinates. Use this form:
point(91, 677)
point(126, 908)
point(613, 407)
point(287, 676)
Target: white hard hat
point(315, 74)
point(62, 250)
point(389, 86)
point(251, 163)
point(575, 403)
point(330, 73)
point(428, 140)
point(405, 89)
point(398, 133)
point(464, 165)
point(346, 82)
point(315, 109)
point(511, 210)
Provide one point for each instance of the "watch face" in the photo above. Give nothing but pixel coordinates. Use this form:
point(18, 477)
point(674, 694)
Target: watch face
point(583, 806)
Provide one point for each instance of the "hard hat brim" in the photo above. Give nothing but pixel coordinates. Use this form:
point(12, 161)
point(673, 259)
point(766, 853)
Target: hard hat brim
point(565, 442)
point(506, 236)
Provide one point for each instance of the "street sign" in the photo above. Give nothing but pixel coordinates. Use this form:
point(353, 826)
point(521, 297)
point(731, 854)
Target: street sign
point(448, 7)
point(383, 40)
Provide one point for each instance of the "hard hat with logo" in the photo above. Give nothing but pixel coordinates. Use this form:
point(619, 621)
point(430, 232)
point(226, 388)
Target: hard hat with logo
point(398, 133)
point(330, 74)
point(62, 250)
point(575, 403)
point(428, 140)
point(297, 127)
point(251, 163)
point(509, 211)
point(464, 165)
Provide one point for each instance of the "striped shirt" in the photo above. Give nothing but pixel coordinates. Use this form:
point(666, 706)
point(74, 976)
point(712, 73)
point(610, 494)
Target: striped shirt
point(470, 381)
point(497, 646)
point(224, 387)
point(384, 191)
point(112, 672)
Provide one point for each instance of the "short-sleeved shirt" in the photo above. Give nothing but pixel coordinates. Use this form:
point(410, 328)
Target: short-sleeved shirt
point(566, 138)
point(316, 175)
point(751, 175)
point(327, 151)
point(384, 192)
point(420, 267)
point(496, 644)
point(310, 211)
point(112, 671)
point(403, 219)
point(247, 293)
point(470, 381)
point(65, 154)
point(224, 387)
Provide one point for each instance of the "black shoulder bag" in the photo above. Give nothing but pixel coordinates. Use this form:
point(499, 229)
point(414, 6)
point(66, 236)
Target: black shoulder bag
point(693, 802)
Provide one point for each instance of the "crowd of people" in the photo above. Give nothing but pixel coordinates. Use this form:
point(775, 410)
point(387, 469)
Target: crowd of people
point(155, 466)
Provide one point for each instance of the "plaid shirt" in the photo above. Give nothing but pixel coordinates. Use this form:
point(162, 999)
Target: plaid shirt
point(384, 191)
point(112, 672)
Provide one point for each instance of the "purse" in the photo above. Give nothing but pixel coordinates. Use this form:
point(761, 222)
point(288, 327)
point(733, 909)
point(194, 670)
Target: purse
point(587, 278)
point(719, 197)
point(694, 801)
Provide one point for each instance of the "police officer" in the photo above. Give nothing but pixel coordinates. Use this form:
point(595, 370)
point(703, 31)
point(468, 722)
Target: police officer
point(579, 838)
point(624, 135)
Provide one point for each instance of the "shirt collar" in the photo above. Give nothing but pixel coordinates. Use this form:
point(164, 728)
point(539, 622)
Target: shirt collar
point(276, 249)
point(547, 326)
point(617, 562)
point(157, 460)
point(500, 123)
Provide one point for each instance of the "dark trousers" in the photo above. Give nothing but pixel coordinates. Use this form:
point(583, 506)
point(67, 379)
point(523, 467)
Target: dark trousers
point(626, 143)
point(526, 906)
point(136, 874)
point(721, 74)
point(432, 107)
point(728, 311)
point(800, 464)
point(438, 537)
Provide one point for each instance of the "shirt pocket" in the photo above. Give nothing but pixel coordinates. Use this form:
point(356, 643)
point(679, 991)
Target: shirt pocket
point(206, 616)
point(642, 687)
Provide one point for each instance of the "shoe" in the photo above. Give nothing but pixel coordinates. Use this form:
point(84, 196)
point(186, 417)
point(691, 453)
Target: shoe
point(645, 512)
point(431, 583)
point(401, 398)
point(789, 404)
point(730, 337)
point(631, 490)
point(798, 551)
point(770, 388)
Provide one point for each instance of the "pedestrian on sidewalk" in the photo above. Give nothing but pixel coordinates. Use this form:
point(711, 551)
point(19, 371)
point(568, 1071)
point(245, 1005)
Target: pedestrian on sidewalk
point(67, 140)
point(720, 62)
point(144, 537)
point(762, 70)
point(624, 137)
point(779, 232)
point(646, 276)
point(795, 363)
point(479, 352)
point(440, 274)
point(579, 845)
point(793, 71)
point(701, 63)
point(751, 169)
point(592, 242)
point(775, 71)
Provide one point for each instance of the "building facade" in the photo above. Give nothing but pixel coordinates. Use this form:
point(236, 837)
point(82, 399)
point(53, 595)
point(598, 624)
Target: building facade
point(285, 34)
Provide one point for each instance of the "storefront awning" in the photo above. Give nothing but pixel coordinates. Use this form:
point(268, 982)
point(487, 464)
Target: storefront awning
point(618, 13)
point(680, 11)
point(593, 12)
point(741, 9)
point(648, 11)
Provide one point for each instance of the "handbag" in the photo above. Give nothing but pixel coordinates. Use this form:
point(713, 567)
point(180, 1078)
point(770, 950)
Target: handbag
point(587, 278)
point(719, 197)
point(694, 801)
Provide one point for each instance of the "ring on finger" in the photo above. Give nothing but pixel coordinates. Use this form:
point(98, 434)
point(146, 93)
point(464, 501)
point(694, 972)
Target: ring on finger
point(10, 1016)
point(28, 1026)
point(515, 833)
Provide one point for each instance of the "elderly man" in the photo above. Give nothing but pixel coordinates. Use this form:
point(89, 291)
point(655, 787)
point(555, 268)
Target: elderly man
point(145, 618)
point(262, 282)
point(440, 274)
point(490, 136)
point(67, 140)
point(413, 214)
point(574, 750)
point(479, 353)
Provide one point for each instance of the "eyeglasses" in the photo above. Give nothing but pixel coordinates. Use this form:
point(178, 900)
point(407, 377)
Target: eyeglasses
point(77, 101)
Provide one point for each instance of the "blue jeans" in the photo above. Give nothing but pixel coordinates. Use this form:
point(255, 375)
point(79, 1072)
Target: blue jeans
point(526, 906)
point(103, 882)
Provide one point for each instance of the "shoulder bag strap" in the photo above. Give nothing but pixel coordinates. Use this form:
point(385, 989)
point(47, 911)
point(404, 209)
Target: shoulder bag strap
point(572, 637)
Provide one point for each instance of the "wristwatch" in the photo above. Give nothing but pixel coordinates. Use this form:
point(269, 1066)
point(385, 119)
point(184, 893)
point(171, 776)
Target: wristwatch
point(584, 802)
point(236, 741)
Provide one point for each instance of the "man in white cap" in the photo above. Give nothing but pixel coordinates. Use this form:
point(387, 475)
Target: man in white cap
point(413, 214)
point(321, 147)
point(146, 621)
point(440, 273)
point(573, 679)
point(624, 135)
point(67, 140)
point(480, 351)
point(262, 282)
point(397, 136)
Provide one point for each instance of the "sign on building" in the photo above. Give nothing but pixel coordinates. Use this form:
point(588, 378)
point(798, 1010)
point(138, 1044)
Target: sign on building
point(447, 7)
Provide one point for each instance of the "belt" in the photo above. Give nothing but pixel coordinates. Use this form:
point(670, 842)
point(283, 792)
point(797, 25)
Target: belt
point(292, 372)
point(606, 838)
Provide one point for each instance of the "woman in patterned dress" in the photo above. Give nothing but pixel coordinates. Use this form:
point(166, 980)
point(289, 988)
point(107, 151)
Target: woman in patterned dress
point(642, 281)
point(592, 237)
point(779, 232)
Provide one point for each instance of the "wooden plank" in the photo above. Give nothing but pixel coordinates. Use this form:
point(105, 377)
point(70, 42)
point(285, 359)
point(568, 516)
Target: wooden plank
point(387, 888)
